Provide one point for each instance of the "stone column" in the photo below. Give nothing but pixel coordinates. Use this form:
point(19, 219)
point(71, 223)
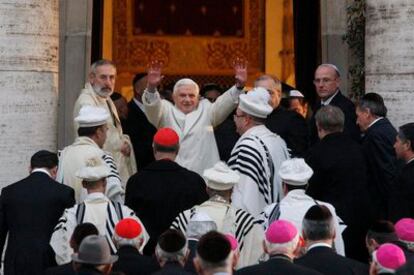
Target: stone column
point(333, 28)
point(389, 56)
point(29, 41)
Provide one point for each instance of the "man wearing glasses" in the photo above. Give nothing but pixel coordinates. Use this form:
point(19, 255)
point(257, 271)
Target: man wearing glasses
point(327, 80)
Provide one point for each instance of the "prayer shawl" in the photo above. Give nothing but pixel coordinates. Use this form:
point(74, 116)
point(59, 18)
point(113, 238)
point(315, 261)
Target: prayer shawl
point(230, 220)
point(293, 208)
point(98, 210)
point(257, 156)
point(114, 137)
point(74, 156)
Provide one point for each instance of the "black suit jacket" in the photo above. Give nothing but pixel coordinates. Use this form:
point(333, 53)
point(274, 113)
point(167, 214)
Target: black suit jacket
point(378, 146)
point(348, 107)
point(159, 193)
point(172, 268)
point(29, 210)
point(402, 203)
point(326, 261)
point(340, 178)
point(192, 247)
point(292, 127)
point(131, 262)
point(65, 269)
point(141, 132)
point(277, 265)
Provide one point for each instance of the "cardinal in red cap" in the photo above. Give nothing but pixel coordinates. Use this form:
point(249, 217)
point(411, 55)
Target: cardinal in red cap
point(166, 137)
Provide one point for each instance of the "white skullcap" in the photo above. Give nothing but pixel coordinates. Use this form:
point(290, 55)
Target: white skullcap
point(295, 172)
point(295, 93)
point(90, 116)
point(220, 177)
point(94, 169)
point(256, 103)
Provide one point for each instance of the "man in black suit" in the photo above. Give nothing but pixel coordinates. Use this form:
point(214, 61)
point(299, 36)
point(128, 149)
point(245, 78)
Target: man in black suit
point(172, 253)
point(128, 240)
point(377, 144)
point(402, 204)
point(327, 80)
point(318, 232)
point(29, 210)
point(137, 126)
point(214, 255)
point(291, 126)
point(281, 244)
point(163, 189)
point(332, 159)
point(81, 231)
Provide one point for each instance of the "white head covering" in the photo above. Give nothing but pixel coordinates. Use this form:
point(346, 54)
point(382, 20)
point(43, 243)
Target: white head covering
point(295, 93)
point(94, 169)
point(90, 116)
point(295, 172)
point(221, 177)
point(256, 103)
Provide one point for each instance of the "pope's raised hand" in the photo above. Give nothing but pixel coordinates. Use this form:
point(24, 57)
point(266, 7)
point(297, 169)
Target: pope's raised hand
point(154, 76)
point(240, 71)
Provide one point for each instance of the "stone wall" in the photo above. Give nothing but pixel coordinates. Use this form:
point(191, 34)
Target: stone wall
point(389, 56)
point(29, 40)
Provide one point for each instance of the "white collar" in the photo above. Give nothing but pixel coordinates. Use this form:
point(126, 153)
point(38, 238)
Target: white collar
point(319, 245)
point(411, 160)
point(95, 196)
point(42, 170)
point(375, 121)
point(139, 104)
point(328, 101)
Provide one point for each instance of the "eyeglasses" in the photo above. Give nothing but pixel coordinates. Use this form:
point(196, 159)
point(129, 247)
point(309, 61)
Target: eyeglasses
point(236, 115)
point(322, 80)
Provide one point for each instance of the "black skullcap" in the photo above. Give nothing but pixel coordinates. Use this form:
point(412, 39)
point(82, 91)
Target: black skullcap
point(213, 247)
point(172, 241)
point(83, 230)
point(116, 96)
point(44, 159)
point(138, 77)
point(318, 213)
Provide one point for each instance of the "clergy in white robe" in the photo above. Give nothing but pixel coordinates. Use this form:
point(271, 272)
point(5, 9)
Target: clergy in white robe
point(257, 155)
point(295, 174)
point(228, 219)
point(193, 119)
point(96, 209)
point(97, 93)
point(92, 130)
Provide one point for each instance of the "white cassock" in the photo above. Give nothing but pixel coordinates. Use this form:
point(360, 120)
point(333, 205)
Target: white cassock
point(74, 157)
point(98, 210)
point(198, 148)
point(239, 223)
point(257, 156)
point(114, 137)
point(293, 208)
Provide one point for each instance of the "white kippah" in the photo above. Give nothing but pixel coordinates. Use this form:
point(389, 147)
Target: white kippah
point(256, 103)
point(90, 116)
point(295, 172)
point(221, 177)
point(295, 93)
point(94, 169)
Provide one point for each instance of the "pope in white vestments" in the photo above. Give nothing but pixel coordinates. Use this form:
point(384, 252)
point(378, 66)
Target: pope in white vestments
point(193, 119)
